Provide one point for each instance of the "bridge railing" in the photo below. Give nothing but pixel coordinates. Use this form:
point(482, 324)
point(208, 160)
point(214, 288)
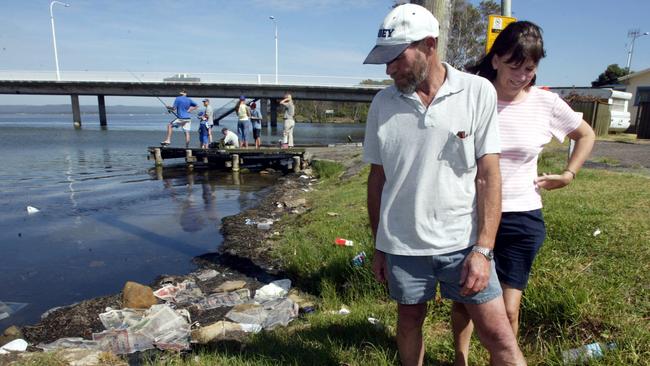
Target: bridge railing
point(219, 78)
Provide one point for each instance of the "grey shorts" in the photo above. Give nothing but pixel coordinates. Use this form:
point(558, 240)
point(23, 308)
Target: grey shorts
point(413, 279)
point(183, 123)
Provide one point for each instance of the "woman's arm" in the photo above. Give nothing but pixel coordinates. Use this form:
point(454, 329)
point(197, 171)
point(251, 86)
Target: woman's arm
point(584, 137)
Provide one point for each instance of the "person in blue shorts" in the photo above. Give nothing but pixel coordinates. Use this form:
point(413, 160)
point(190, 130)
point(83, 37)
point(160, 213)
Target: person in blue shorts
point(256, 118)
point(182, 108)
point(204, 130)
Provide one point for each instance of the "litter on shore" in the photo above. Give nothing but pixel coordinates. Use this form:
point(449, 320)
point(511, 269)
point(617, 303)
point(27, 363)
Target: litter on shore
point(168, 325)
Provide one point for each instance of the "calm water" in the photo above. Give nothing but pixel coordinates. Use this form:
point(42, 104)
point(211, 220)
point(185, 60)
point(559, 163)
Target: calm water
point(105, 217)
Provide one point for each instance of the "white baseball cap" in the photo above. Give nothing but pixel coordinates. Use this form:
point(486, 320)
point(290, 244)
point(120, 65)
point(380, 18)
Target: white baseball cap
point(404, 25)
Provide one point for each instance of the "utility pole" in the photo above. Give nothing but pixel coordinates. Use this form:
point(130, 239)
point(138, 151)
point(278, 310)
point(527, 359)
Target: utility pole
point(441, 9)
point(505, 8)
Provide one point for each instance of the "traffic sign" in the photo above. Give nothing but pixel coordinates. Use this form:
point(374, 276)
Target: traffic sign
point(496, 23)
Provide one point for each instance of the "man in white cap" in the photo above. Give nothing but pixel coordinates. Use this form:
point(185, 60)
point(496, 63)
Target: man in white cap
point(434, 189)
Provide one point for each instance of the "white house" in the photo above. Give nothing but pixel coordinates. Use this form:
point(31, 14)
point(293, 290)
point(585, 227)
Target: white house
point(638, 84)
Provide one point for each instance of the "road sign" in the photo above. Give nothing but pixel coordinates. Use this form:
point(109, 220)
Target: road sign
point(496, 23)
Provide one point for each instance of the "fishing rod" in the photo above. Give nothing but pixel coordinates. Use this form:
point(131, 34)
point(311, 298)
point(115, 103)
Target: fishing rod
point(169, 109)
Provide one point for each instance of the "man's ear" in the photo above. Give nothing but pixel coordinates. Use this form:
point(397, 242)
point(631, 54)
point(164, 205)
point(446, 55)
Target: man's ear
point(431, 43)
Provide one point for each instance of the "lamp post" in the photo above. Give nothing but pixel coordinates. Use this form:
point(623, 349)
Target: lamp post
point(56, 57)
point(505, 8)
point(275, 23)
point(634, 34)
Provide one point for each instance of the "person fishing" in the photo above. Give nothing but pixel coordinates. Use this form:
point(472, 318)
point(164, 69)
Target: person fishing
point(182, 108)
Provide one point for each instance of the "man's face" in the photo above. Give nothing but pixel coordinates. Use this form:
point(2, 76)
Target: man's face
point(205, 103)
point(408, 70)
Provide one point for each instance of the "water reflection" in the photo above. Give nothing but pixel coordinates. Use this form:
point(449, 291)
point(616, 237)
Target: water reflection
point(69, 177)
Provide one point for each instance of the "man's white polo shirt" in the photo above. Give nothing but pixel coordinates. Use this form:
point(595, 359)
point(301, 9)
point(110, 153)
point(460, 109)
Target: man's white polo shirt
point(429, 154)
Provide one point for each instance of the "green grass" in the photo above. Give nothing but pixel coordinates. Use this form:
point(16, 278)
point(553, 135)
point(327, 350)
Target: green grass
point(607, 160)
point(583, 288)
point(326, 169)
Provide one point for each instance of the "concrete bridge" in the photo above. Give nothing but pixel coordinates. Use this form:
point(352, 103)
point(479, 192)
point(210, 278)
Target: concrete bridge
point(268, 93)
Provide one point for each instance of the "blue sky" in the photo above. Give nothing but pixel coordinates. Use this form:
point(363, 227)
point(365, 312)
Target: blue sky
point(316, 37)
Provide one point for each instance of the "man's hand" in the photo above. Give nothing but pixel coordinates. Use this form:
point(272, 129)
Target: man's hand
point(379, 266)
point(554, 181)
point(475, 274)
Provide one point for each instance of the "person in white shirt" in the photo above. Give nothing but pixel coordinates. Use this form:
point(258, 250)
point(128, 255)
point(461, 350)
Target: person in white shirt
point(289, 122)
point(229, 138)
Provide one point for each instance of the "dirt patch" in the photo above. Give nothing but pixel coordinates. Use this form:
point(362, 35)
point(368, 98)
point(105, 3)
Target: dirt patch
point(620, 156)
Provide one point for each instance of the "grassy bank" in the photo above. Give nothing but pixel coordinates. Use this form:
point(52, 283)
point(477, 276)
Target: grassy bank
point(584, 288)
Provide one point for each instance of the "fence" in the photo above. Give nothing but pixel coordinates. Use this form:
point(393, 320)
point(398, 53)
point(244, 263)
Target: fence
point(643, 121)
point(596, 113)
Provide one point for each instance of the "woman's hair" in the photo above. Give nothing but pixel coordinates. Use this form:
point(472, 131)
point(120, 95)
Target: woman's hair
point(522, 40)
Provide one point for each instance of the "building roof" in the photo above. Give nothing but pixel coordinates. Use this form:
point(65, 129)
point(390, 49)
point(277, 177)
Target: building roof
point(634, 74)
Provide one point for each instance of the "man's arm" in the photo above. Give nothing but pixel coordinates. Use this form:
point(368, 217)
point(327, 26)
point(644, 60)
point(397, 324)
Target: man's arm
point(476, 269)
point(376, 180)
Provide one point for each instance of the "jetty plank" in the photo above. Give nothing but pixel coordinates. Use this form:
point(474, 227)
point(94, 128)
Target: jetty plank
point(225, 158)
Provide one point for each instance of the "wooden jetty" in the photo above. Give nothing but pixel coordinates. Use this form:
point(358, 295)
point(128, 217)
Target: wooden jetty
point(232, 159)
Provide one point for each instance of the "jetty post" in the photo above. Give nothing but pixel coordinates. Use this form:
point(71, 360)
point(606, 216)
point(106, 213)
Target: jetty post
point(235, 162)
point(296, 164)
point(189, 159)
point(157, 157)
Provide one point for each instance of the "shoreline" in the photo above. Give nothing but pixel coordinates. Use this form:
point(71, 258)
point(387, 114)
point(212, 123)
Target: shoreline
point(245, 254)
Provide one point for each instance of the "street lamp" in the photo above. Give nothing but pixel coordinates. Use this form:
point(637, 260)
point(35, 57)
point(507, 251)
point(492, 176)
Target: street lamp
point(634, 34)
point(56, 57)
point(275, 23)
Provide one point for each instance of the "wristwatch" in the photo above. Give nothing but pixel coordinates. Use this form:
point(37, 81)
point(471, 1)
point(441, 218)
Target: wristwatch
point(487, 252)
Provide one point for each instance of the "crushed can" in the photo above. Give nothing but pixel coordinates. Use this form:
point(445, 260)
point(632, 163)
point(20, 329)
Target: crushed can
point(359, 259)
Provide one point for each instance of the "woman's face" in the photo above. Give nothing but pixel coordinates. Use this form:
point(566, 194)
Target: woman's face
point(512, 77)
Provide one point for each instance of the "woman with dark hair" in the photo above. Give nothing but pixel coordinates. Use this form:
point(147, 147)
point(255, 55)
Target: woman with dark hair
point(529, 117)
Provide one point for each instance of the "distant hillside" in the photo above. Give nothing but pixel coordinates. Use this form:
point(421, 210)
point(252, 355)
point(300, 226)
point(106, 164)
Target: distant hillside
point(85, 109)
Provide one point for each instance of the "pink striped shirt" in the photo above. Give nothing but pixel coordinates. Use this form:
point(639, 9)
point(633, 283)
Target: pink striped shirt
point(525, 127)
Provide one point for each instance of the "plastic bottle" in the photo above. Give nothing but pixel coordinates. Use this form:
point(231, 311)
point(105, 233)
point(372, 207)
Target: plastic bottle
point(586, 352)
point(343, 242)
